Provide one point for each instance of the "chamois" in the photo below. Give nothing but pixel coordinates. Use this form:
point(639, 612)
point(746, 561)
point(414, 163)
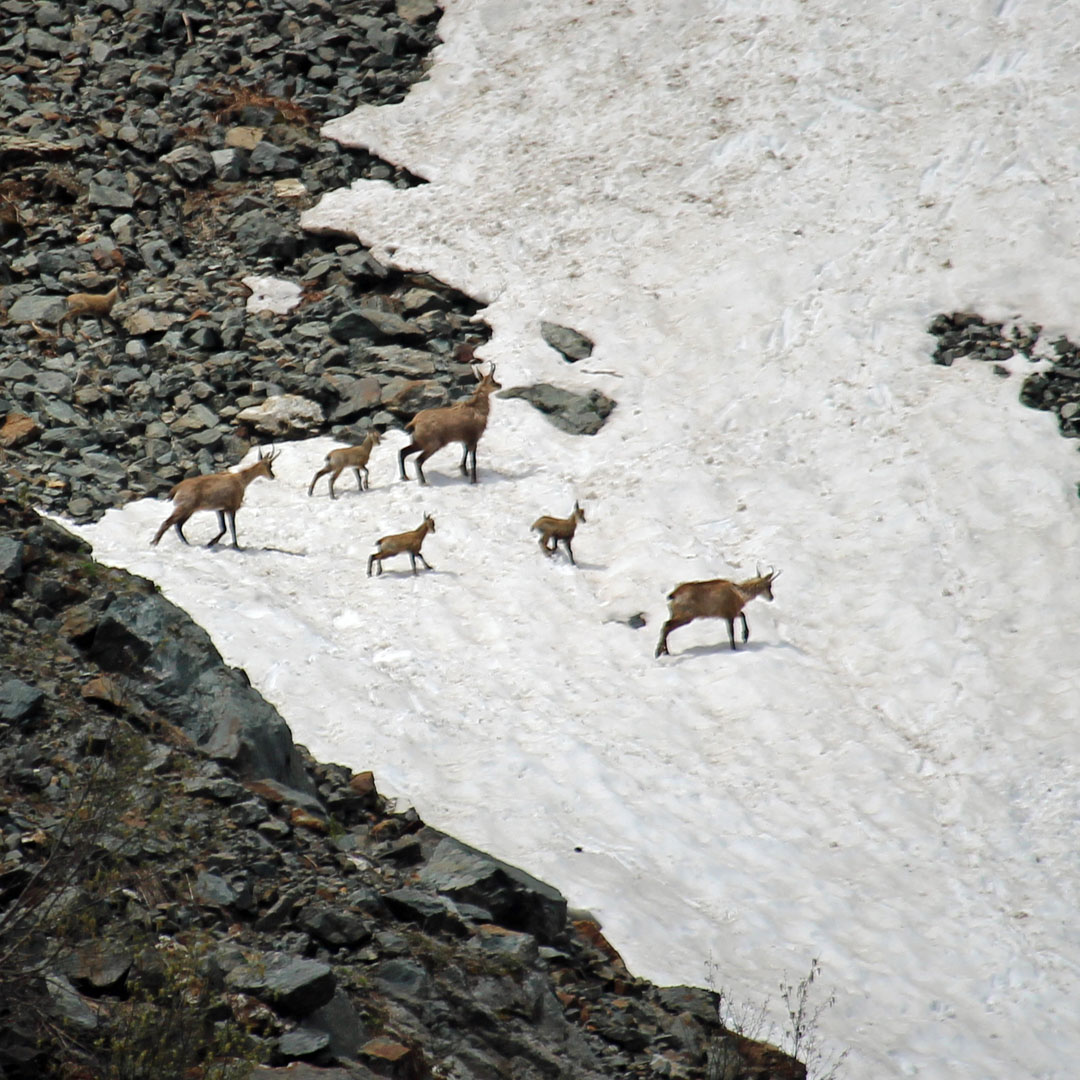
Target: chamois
point(99, 305)
point(348, 457)
point(553, 530)
point(222, 492)
point(400, 543)
point(463, 422)
point(718, 599)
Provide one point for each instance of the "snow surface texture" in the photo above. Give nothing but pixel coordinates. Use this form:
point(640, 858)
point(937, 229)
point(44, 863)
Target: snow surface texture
point(754, 209)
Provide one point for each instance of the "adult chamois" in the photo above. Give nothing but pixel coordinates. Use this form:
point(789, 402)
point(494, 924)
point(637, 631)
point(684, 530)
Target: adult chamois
point(401, 544)
point(718, 599)
point(222, 492)
point(348, 457)
point(97, 305)
point(554, 531)
point(463, 422)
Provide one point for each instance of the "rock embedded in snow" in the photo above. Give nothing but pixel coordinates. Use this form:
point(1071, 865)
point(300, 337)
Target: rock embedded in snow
point(566, 341)
point(282, 416)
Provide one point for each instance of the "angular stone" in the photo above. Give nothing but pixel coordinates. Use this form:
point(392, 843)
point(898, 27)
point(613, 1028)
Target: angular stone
point(285, 414)
point(515, 899)
point(294, 984)
point(333, 926)
point(578, 414)
point(569, 343)
point(302, 1042)
point(18, 430)
point(38, 308)
point(107, 195)
point(19, 700)
point(190, 163)
point(11, 558)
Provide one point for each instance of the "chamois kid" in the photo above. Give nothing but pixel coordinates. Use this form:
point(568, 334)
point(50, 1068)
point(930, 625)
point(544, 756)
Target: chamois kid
point(348, 457)
point(462, 422)
point(221, 492)
point(402, 543)
point(554, 531)
point(718, 599)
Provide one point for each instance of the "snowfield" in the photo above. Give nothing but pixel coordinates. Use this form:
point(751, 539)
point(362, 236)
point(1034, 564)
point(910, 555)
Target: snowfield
point(754, 209)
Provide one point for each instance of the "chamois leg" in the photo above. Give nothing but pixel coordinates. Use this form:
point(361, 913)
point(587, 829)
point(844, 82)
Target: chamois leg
point(359, 479)
point(232, 526)
point(672, 624)
point(731, 632)
point(371, 561)
point(464, 462)
point(745, 628)
point(420, 466)
point(472, 450)
point(315, 478)
point(221, 526)
point(405, 452)
point(549, 551)
point(566, 544)
point(177, 518)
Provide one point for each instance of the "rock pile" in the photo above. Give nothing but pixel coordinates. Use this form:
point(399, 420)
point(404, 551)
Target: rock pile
point(1054, 388)
point(177, 878)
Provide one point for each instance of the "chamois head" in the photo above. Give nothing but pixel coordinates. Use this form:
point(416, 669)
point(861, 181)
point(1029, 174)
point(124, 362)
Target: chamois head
point(487, 383)
point(764, 582)
point(264, 465)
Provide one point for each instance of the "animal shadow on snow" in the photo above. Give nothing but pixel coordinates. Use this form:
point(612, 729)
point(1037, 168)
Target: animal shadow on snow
point(720, 648)
point(407, 573)
point(484, 476)
point(253, 550)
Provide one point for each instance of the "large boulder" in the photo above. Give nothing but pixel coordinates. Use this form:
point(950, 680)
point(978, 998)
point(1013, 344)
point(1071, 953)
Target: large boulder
point(141, 633)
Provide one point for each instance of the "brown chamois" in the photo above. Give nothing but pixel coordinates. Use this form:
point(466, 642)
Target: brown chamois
point(222, 492)
point(463, 422)
point(719, 599)
point(98, 305)
point(553, 530)
point(348, 457)
point(400, 543)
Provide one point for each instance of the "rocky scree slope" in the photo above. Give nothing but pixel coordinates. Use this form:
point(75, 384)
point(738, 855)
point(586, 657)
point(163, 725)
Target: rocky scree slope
point(169, 151)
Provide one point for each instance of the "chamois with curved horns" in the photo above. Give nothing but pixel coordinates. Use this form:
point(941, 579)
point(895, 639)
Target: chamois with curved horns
point(222, 492)
point(348, 457)
point(462, 422)
point(718, 599)
point(554, 531)
point(401, 544)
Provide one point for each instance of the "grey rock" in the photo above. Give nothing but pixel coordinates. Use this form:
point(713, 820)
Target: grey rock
point(333, 926)
point(69, 1003)
point(19, 700)
point(341, 1023)
point(355, 397)
point(214, 890)
point(109, 196)
point(578, 414)
point(38, 308)
point(11, 558)
point(399, 360)
point(190, 163)
point(293, 984)
point(516, 899)
point(569, 343)
point(302, 1042)
point(143, 633)
point(404, 979)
